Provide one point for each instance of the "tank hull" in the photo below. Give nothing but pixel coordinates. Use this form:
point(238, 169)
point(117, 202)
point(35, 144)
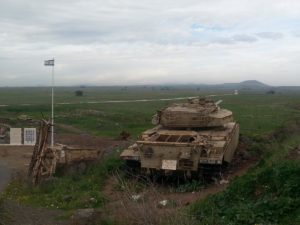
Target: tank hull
point(166, 150)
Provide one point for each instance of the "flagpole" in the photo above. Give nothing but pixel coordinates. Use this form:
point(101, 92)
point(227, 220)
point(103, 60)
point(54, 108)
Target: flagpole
point(52, 113)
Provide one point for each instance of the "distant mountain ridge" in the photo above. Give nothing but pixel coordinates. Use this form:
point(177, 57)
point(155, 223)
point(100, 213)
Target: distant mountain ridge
point(247, 84)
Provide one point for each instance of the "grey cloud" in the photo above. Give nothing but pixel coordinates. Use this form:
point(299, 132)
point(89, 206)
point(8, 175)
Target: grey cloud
point(244, 38)
point(235, 39)
point(270, 35)
point(296, 33)
point(138, 41)
point(223, 40)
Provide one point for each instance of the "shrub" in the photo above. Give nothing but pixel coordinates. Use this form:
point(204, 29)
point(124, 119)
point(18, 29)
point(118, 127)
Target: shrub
point(78, 93)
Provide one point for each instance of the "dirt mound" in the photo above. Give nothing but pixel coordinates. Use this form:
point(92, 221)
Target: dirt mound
point(86, 140)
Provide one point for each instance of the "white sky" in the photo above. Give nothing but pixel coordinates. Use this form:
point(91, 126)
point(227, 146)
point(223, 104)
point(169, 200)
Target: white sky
point(122, 42)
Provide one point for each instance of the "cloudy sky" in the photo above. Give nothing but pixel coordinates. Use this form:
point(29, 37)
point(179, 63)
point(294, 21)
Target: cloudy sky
point(121, 42)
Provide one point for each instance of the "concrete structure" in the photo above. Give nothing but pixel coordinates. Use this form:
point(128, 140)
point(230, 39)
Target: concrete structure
point(15, 136)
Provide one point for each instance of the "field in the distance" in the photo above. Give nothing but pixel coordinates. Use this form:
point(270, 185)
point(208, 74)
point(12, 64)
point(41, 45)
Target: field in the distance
point(257, 112)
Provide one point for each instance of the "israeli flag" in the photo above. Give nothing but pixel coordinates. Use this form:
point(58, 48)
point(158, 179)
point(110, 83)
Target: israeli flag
point(49, 62)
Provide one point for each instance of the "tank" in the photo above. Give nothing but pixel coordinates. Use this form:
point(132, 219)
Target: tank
point(196, 137)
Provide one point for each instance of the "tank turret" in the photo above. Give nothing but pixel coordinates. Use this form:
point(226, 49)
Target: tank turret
point(196, 113)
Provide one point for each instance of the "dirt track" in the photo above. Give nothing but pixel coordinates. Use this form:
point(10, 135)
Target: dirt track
point(12, 159)
point(16, 214)
point(124, 101)
point(4, 175)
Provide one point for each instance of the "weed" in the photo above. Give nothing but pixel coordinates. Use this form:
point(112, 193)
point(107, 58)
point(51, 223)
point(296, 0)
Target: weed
point(189, 186)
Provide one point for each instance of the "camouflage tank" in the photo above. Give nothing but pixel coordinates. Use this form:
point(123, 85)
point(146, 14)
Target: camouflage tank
point(194, 137)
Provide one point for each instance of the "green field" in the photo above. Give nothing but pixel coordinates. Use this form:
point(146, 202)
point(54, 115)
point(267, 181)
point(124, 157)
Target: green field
point(257, 113)
point(267, 194)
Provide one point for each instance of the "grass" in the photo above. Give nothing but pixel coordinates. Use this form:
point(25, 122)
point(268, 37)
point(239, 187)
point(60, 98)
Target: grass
point(257, 113)
point(268, 194)
point(189, 186)
point(66, 192)
point(41, 95)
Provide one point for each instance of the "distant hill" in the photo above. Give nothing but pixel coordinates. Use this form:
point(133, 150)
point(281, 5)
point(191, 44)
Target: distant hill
point(248, 84)
point(244, 85)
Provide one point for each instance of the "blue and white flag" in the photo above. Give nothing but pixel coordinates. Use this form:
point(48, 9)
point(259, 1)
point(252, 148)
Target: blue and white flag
point(49, 62)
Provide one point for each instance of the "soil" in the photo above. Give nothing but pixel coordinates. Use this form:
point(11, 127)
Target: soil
point(86, 140)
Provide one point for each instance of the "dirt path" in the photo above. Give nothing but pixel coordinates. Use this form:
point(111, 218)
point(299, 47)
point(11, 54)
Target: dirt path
point(5, 172)
point(68, 128)
point(125, 101)
point(13, 159)
point(16, 214)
